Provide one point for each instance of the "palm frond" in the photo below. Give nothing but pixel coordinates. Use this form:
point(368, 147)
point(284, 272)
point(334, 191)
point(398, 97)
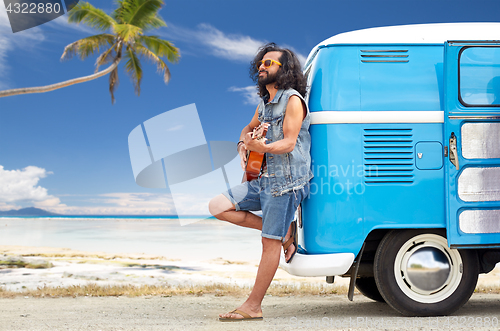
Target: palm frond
point(91, 16)
point(127, 32)
point(133, 68)
point(141, 13)
point(160, 47)
point(127, 24)
point(105, 58)
point(154, 23)
point(160, 64)
point(87, 46)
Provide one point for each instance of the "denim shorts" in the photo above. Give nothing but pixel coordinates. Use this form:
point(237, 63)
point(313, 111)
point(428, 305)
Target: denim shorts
point(277, 212)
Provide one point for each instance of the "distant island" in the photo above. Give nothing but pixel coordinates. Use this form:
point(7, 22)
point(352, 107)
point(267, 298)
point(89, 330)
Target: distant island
point(30, 211)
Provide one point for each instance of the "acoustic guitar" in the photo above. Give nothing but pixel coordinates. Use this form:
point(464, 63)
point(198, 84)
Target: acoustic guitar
point(255, 159)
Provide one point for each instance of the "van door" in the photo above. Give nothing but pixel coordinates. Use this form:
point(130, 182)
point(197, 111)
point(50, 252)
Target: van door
point(472, 140)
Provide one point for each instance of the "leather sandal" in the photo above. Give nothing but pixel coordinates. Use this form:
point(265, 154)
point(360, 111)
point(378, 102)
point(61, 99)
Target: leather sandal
point(291, 240)
point(246, 317)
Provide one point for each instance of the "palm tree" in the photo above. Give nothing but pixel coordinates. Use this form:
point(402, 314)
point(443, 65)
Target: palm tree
point(127, 23)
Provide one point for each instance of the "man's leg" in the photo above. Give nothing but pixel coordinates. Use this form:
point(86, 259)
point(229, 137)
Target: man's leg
point(223, 209)
point(267, 269)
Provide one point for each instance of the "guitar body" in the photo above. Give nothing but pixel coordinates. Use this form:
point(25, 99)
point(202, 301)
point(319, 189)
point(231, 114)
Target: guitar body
point(254, 163)
point(255, 159)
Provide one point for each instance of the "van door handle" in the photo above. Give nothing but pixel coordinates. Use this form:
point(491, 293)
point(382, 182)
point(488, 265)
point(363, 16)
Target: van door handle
point(453, 150)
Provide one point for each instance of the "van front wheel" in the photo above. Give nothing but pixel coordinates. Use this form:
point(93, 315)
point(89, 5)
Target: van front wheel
point(417, 273)
point(368, 287)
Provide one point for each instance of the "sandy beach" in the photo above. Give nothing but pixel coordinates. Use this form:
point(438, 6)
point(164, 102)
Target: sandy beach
point(72, 267)
point(65, 268)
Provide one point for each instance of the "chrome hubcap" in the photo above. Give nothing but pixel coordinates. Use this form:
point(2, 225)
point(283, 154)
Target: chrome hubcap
point(427, 269)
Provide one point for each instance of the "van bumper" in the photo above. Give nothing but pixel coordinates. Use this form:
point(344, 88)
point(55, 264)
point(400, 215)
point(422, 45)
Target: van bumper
point(314, 265)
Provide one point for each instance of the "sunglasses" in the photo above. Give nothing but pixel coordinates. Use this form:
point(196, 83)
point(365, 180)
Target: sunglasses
point(267, 63)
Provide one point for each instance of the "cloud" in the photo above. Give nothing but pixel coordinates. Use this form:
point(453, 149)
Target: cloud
point(20, 187)
point(138, 203)
point(249, 93)
point(302, 58)
point(229, 46)
point(236, 47)
point(119, 204)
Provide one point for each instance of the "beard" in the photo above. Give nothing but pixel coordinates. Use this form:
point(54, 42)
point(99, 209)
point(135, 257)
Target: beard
point(267, 79)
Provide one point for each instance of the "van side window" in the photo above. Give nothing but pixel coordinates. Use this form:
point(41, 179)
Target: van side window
point(479, 76)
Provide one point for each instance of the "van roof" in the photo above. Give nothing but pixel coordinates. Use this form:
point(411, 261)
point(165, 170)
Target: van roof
point(436, 33)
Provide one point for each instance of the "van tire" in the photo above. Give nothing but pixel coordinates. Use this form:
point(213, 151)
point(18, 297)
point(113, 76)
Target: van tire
point(417, 274)
point(368, 287)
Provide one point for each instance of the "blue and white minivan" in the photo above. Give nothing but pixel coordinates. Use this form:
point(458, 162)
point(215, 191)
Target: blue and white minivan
point(405, 129)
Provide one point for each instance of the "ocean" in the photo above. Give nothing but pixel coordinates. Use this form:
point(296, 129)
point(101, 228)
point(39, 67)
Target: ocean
point(193, 240)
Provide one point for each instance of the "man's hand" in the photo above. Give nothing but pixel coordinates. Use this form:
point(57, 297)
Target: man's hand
point(242, 150)
point(255, 145)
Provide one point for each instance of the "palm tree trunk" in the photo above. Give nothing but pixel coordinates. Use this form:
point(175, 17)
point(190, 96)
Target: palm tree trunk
point(42, 89)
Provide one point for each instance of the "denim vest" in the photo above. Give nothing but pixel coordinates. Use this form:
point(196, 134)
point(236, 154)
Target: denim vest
point(288, 171)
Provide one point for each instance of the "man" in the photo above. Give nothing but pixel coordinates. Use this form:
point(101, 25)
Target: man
point(284, 181)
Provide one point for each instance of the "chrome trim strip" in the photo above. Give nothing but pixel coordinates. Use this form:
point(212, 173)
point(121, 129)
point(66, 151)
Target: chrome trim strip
point(474, 117)
point(353, 117)
point(364, 55)
point(384, 50)
point(479, 113)
point(384, 61)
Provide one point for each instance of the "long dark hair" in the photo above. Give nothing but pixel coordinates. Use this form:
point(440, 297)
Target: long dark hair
point(289, 74)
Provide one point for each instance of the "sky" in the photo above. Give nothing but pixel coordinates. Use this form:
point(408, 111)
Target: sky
point(67, 150)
